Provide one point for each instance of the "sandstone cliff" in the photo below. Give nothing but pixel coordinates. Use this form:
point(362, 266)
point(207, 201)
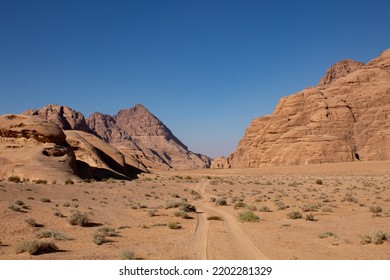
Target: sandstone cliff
point(32, 149)
point(344, 118)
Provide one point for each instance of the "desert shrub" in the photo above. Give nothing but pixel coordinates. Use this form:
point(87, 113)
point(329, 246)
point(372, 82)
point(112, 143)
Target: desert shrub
point(19, 202)
point(248, 216)
point(326, 209)
point(107, 231)
point(214, 218)
point(251, 207)
point(327, 234)
point(182, 214)
point(319, 182)
point(264, 209)
point(78, 218)
point(58, 214)
point(15, 208)
point(51, 234)
point(36, 247)
point(376, 209)
point(152, 213)
point(310, 217)
point(174, 203)
point(239, 204)
point(45, 199)
point(99, 238)
point(309, 207)
point(32, 223)
point(294, 215)
point(127, 255)
point(350, 198)
point(174, 225)
point(66, 204)
point(69, 182)
point(377, 237)
point(187, 207)
point(212, 199)
point(281, 206)
point(221, 202)
point(15, 179)
point(41, 181)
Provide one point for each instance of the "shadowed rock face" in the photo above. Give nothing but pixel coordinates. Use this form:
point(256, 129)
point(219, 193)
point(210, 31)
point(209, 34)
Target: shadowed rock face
point(344, 118)
point(63, 116)
point(142, 137)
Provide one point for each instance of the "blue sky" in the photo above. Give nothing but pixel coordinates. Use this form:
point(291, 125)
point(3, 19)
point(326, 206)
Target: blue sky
point(204, 68)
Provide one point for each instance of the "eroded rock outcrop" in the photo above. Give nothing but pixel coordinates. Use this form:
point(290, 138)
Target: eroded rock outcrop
point(32, 149)
point(63, 116)
point(344, 118)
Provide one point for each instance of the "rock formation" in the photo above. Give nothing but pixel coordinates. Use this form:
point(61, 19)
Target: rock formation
point(32, 149)
point(344, 118)
point(63, 116)
point(142, 137)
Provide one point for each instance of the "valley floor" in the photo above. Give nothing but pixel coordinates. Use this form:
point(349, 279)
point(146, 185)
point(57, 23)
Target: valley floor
point(344, 209)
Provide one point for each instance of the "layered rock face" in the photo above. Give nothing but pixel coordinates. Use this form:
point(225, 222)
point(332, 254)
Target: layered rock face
point(143, 138)
point(344, 118)
point(32, 149)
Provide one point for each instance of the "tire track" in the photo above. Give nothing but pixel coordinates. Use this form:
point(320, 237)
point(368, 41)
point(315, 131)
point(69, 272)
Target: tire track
point(243, 247)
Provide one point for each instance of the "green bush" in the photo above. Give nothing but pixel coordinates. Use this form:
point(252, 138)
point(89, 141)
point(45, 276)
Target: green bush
point(248, 216)
point(174, 225)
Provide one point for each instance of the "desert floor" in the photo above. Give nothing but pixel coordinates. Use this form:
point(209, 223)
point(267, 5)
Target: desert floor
point(345, 211)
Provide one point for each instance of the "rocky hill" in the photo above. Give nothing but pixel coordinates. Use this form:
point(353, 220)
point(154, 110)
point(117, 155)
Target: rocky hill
point(143, 140)
point(344, 118)
point(141, 136)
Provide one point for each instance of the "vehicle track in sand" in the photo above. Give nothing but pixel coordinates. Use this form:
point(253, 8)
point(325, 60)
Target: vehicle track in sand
point(243, 248)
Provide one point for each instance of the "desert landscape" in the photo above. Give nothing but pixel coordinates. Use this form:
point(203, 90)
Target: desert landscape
point(330, 211)
point(309, 181)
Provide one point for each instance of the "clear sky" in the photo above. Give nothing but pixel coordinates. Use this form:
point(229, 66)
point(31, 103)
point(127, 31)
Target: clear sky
point(204, 68)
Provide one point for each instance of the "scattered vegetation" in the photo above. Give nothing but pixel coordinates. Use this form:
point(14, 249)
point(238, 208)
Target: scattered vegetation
point(36, 247)
point(127, 255)
point(15, 179)
point(377, 237)
point(78, 218)
point(248, 216)
point(294, 215)
point(69, 182)
point(264, 209)
point(310, 217)
point(41, 181)
point(174, 225)
point(52, 234)
point(32, 223)
point(327, 234)
point(221, 202)
point(45, 199)
point(376, 210)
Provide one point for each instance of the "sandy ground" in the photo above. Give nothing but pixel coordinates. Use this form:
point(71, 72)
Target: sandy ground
point(341, 205)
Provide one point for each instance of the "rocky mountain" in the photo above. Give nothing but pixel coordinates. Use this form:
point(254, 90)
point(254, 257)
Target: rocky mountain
point(143, 140)
point(141, 136)
point(344, 118)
